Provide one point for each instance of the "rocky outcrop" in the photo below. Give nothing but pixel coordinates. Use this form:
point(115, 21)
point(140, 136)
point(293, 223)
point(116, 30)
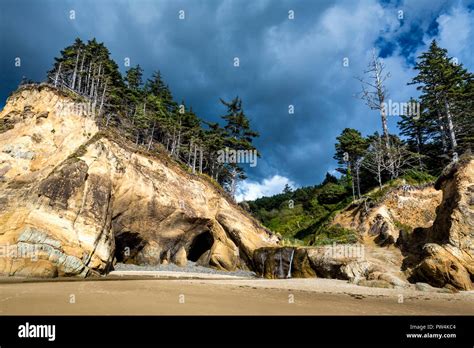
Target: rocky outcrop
point(73, 199)
point(400, 210)
point(352, 262)
point(443, 254)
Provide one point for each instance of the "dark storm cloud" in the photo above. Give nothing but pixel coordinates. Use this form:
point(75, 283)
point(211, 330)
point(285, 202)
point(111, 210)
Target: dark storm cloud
point(282, 62)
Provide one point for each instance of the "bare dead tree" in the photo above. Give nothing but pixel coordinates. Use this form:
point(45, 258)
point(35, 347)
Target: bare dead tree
point(400, 159)
point(374, 159)
point(374, 92)
point(396, 162)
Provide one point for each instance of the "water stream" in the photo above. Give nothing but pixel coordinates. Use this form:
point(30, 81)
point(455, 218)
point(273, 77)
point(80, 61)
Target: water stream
point(291, 262)
point(262, 257)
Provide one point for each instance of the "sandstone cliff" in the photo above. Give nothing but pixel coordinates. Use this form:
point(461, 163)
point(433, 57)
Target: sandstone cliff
point(74, 199)
point(402, 208)
point(443, 254)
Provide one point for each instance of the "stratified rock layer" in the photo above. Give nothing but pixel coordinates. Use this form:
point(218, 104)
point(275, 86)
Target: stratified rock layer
point(72, 200)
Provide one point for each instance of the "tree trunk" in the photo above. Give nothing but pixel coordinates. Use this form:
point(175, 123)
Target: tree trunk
point(80, 73)
point(173, 142)
point(57, 75)
point(358, 178)
point(233, 184)
point(352, 182)
point(441, 129)
point(88, 79)
point(200, 159)
point(190, 151)
point(102, 100)
point(151, 137)
point(96, 92)
point(419, 145)
point(74, 74)
point(178, 145)
point(386, 136)
point(109, 116)
point(452, 136)
point(194, 159)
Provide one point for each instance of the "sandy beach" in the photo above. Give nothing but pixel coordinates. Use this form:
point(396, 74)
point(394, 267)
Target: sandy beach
point(161, 293)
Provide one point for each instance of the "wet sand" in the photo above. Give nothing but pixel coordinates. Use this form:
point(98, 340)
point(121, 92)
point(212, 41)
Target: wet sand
point(138, 295)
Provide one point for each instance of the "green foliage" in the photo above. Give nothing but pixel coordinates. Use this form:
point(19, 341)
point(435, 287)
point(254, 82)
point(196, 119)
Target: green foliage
point(447, 100)
point(416, 177)
point(238, 136)
point(349, 142)
point(402, 227)
point(378, 194)
point(331, 193)
point(335, 234)
point(298, 214)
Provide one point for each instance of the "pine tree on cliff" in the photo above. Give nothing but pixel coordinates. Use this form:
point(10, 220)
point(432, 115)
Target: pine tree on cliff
point(214, 140)
point(135, 95)
point(88, 70)
point(445, 93)
point(350, 148)
point(65, 68)
point(190, 135)
point(416, 128)
point(157, 87)
point(133, 78)
point(239, 137)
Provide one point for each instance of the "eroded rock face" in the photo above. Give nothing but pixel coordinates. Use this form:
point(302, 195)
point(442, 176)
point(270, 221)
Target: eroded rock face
point(346, 262)
point(283, 262)
point(404, 207)
point(443, 255)
point(72, 201)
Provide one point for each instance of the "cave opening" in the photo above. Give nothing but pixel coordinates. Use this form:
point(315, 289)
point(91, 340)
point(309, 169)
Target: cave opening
point(202, 243)
point(127, 246)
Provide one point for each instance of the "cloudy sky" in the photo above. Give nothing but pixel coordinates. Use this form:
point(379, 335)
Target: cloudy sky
point(283, 61)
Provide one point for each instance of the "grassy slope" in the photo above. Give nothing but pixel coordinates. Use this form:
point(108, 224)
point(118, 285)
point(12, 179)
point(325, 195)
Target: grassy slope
point(306, 222)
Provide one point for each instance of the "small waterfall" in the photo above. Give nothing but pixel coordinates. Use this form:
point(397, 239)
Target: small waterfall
point(291, 263)
point(262, 257)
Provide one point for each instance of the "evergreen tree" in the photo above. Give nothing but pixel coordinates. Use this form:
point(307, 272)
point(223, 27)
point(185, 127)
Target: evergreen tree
point(445, 90)
point(350, 148)
point(287, 189)
point(215, 139)
point(416, 128)
point(88, 70)
point(133, 78)
point(239, 137)
point(329, 179)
